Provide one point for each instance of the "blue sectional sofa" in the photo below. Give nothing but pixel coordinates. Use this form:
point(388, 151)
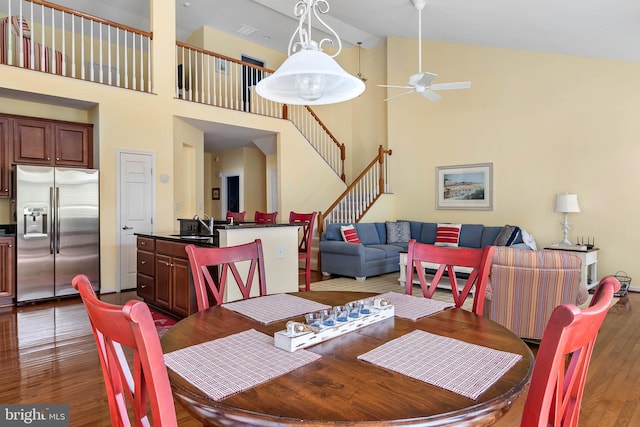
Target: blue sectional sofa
point(376, 256)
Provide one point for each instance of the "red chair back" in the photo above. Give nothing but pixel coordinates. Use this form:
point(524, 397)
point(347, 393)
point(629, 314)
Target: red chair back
point(236, 216)
point(556, 387)
point(265, 217)
point(141, 385)
point(444, 259)
point(210, 268)
point(307, 223)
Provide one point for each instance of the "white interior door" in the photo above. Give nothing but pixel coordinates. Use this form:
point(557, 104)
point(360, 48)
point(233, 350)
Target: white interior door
point(136, 201)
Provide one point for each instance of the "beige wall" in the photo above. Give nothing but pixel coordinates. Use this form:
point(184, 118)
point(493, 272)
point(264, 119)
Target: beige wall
point(548, 123)
point(545, 122)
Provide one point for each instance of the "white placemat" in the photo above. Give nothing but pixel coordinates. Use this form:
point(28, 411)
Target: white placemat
point(235, 363)
point(414, 307)
point(272, 308)
point(454, 365)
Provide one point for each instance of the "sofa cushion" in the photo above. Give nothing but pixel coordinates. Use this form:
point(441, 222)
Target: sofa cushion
point(368, 233)
point(372, 253)
point(390, 251)
point(428, 234)
point(398, 232)
point(507, 235)
point(489, 235)
point(349, 234)
point(471, 235)
point(448, 235)
point(333, 232)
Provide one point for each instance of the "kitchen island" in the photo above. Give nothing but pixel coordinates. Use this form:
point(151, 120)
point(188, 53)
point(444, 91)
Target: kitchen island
point(164, 278)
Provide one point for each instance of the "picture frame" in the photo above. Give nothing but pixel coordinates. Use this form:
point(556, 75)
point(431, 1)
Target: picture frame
point(222, 66)
point(215, 194)
point(465, 187)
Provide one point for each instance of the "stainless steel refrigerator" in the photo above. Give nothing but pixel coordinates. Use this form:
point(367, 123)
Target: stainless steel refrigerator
point(57, 230)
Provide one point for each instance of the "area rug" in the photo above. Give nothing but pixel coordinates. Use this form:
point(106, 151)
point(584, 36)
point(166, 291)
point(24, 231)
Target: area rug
point(162, 321)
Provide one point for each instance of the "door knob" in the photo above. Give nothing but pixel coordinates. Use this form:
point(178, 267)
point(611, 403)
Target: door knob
point(127, 228)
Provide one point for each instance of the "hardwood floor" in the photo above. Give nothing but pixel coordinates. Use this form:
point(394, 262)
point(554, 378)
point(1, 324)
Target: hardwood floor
point(48, 355)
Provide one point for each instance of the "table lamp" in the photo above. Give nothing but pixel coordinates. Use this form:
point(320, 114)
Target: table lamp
point(565, 204)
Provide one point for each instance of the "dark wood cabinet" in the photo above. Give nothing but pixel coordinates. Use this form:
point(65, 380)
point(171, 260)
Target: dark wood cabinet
point(7, 269)
point(52, 143)
point(74, 145)
point(164, 277)
point(145, 278)
point(32, 141)
point(6, 131)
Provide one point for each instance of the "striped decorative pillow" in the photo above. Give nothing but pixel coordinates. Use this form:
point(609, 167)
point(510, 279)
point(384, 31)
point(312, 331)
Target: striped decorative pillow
point(16, 22)
point(349, 234)
point(448, 235)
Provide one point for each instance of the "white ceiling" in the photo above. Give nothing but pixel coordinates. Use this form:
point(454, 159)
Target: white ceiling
point(607, 29)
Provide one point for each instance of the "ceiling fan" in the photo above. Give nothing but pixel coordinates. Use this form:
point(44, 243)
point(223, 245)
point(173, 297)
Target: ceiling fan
point(421, 81)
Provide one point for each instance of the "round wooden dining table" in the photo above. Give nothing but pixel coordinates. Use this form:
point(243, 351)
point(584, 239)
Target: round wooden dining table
point(338, 389)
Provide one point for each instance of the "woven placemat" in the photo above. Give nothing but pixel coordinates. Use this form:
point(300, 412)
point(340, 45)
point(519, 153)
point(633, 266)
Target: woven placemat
point(454, 365)
point(413, 307)
point(272, 308)
point(235, 363)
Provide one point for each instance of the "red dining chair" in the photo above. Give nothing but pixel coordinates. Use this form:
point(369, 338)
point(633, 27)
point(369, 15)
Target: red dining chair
point(130, 388)
point(236, 216)
point(442, 259)
point(210, 268)
point(265, 217)
point(556, 388)
point(307, 223)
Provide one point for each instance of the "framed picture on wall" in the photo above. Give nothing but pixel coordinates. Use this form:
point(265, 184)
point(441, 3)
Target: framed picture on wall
point(215, 194)
point(465, 187)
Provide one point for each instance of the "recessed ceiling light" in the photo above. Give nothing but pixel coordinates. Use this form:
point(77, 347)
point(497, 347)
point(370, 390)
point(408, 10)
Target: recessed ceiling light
point(266, 37)
point(186, 4)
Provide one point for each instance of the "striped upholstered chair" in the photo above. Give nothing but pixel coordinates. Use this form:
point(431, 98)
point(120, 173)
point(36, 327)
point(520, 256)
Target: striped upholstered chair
point(526, 286)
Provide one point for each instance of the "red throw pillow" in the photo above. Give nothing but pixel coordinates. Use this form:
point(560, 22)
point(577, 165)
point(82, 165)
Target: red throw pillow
point(349, 234)
point(448, 235)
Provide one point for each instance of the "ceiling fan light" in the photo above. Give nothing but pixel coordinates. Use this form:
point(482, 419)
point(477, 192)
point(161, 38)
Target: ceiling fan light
point(310, 77)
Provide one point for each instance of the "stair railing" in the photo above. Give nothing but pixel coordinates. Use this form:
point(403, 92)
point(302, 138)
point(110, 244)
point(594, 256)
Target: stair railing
point(358, 198)
point(319, 136)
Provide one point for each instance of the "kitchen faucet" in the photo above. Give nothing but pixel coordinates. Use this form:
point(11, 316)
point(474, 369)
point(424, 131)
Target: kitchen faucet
point(208, 227)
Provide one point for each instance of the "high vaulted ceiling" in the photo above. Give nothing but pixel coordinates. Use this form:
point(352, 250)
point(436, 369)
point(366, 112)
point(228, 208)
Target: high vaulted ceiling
point(593, 28)
point(606, 29)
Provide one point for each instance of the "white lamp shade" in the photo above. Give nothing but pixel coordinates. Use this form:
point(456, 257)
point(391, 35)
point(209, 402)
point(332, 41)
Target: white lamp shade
point(310, 77)
point(567, 203)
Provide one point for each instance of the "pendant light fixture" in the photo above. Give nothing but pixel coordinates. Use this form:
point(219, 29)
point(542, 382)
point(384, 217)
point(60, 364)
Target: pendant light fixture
point(309, 76)
point(359, 75)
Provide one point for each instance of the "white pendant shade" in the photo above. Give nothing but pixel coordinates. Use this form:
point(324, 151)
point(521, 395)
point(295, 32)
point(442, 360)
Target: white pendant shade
point(310, 77)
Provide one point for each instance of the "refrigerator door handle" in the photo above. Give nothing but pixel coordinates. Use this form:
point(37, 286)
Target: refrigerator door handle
point(51, 218)
point(57, 220)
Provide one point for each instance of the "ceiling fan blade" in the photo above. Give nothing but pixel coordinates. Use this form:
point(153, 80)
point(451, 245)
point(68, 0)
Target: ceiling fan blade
point(395, 86)
point(431, 95)
point(398, 96)
point(453, 85)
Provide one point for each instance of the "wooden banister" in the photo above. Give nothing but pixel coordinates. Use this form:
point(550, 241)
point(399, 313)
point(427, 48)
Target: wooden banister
point(93, 18)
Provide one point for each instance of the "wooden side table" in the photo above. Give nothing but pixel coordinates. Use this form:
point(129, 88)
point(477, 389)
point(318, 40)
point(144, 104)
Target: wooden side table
point(589, 260)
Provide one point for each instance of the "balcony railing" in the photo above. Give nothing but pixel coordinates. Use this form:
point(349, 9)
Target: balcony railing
point(45, 37)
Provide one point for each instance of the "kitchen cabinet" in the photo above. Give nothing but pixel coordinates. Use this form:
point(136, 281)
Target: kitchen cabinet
point(52, 143)
point(164, 277)
point(145, 279)
point(6, 132)
point(7, 269)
